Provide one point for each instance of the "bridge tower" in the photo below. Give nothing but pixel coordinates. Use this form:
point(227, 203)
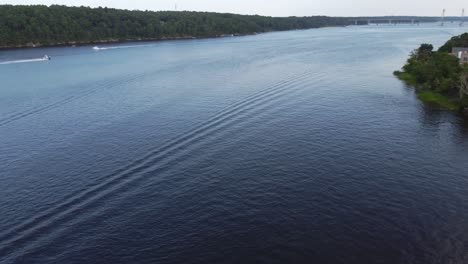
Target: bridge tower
point(462, 19)
point(442, 19)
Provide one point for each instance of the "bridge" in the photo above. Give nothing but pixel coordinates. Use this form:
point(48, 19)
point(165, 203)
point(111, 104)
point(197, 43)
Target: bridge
point(393, 20)
point(390, 21)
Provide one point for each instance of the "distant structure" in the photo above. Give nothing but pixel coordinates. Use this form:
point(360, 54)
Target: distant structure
point(385, 21)
point(442, 19)
point(462, 19)
point(175, 8)
point(461, 53)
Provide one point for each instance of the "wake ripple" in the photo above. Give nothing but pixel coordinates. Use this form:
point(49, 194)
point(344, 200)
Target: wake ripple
point(26, 231)
point(126, 79)
point(42, 108)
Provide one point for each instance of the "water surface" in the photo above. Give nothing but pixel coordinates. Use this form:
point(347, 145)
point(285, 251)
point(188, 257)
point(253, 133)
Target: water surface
point(288, 147)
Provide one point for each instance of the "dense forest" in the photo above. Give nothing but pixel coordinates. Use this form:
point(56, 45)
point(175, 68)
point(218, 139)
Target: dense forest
point(438, 75)
point(57, 25)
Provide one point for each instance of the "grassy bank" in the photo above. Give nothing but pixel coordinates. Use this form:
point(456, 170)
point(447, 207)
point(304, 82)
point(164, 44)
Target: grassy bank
point(430, 96)
point(439, 99)
point(406, 77)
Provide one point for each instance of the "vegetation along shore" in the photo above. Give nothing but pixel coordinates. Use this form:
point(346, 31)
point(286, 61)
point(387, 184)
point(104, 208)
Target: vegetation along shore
point(39, 25)
point(24, 26)
point(440, 77)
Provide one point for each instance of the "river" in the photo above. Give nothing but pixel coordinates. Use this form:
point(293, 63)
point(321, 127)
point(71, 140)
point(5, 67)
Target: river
point(285, 147)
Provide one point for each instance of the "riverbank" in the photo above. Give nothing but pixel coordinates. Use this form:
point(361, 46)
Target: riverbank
point(432, 97)
point(116, 41)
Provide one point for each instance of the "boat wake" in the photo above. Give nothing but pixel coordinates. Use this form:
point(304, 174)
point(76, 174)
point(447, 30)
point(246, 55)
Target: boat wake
point(119, 47)
point(93, 88)
point(157, 160)
point(84, 92)
point(45, 58)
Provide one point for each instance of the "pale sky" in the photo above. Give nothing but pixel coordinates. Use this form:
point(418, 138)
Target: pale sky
point(279, 7)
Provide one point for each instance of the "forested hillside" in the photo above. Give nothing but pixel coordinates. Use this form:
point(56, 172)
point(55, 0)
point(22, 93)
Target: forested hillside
point(55, 25)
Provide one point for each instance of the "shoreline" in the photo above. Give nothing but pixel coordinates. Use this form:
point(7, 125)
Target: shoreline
point(432, 97)
point(117, 41)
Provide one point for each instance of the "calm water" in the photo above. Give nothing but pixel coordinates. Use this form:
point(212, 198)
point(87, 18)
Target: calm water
point(290, 147)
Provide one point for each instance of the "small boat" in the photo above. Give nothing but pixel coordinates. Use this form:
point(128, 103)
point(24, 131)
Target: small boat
point(46, 57)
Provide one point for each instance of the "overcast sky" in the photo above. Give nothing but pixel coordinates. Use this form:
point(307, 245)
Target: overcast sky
point(279, 7)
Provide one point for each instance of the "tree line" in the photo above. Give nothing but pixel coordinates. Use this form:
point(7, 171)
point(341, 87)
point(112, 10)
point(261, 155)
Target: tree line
point(457, 41)
point(54, 25)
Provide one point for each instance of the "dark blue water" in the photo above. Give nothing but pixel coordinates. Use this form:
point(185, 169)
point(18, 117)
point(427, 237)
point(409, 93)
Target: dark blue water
point(291, 147)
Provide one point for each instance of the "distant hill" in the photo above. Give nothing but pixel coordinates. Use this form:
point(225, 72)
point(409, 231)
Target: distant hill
point(38, 25)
